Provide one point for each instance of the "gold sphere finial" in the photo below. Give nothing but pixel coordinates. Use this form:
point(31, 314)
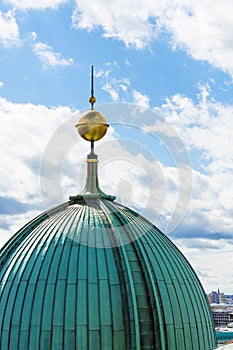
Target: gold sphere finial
point(92, 126)
point(92, 100)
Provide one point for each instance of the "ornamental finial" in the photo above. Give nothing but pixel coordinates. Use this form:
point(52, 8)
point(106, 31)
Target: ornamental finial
point(92, 125)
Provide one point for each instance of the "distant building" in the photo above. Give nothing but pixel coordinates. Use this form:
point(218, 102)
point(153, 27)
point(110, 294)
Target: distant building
point(216, 297)
point(223, 316)
point(225, 337)
point(229, 299)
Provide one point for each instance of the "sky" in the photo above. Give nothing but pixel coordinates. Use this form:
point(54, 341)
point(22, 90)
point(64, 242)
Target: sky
point(163, 79)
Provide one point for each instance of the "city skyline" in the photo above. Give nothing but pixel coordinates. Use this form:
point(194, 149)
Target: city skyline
point(171, 57)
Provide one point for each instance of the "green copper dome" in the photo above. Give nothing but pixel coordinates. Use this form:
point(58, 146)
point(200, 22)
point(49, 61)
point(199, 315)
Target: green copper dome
point(68, 282)
point(92, 274)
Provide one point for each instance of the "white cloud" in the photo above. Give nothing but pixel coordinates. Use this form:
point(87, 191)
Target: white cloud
point(47, 56)
point(211, 203)
point(9, 31)
point(13, 223)
point(127, 63)
point(112, 91)
point(205, 128)
point(1, 84)
point(213, 262)
point(25, 130)
point(112, 85)
point(36, 5)
point(131, 25)
point(204, 29)
point(141, 99)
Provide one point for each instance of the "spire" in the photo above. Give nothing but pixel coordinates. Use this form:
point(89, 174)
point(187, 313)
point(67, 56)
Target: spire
point(92, 126)
point(92, 98)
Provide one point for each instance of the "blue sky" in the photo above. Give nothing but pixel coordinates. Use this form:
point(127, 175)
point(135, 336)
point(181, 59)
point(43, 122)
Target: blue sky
point(172, 57)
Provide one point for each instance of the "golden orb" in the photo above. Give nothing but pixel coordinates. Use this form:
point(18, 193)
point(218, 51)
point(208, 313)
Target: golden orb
point(92, 100)
point(92, 126)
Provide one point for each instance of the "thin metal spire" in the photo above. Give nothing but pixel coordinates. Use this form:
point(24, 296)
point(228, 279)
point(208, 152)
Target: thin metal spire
point(92, 82)
point(92, 98)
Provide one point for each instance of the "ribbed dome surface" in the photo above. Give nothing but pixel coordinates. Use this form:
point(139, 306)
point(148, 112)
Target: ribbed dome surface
point(68, 282)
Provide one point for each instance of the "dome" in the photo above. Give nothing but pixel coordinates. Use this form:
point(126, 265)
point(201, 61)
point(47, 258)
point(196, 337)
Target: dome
point(93, 274)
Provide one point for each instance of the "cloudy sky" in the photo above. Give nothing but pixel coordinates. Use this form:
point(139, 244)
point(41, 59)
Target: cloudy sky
point(171, 159)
